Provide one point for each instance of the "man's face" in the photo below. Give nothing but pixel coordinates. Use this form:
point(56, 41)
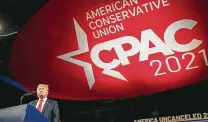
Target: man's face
point(42, 91)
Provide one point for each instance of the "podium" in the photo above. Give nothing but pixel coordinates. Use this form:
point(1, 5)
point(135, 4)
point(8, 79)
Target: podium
point(21, 113)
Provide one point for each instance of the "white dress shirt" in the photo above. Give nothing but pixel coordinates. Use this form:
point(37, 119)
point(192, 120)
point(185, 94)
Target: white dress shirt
point(44, 101)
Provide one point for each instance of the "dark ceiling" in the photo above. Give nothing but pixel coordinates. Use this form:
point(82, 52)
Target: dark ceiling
point(16, 13)
point(19, 11)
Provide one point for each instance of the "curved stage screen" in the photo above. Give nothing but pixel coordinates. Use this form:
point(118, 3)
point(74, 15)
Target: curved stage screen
point(106, 49)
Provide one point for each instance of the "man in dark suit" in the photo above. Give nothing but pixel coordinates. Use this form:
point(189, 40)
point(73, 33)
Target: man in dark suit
point(49, 108)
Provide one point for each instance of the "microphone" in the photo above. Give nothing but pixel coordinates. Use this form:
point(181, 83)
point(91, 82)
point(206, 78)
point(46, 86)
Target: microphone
point(27, 94)
point(30, 93)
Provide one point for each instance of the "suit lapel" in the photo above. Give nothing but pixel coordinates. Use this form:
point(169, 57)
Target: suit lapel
point(35, 103)
point(45, 105)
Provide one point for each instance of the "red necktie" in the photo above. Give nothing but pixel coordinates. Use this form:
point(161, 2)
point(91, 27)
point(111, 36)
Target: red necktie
point(40, 105)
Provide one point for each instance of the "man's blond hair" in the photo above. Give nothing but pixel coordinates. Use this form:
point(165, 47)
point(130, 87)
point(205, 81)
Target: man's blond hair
point(43, 85)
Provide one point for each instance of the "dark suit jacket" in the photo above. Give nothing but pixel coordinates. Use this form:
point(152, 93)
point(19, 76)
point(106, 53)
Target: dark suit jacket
point(50, 109)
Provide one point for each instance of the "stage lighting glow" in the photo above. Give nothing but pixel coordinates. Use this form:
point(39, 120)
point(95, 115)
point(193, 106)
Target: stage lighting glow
point(1, 27)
